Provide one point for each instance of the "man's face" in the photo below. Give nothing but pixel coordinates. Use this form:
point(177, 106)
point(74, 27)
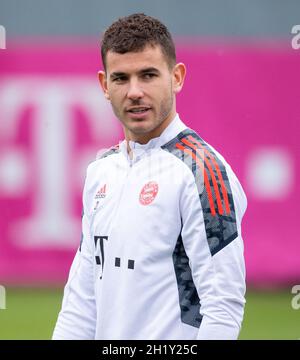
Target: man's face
point(142, 88)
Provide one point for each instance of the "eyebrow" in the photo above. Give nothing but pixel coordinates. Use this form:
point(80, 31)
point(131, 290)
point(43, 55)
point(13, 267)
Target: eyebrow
point(141, 72)
point(149, 69)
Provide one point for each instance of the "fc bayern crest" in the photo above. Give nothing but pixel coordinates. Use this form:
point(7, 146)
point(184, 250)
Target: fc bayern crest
point(148, 193)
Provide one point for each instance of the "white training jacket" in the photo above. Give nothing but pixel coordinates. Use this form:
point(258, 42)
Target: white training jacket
point(161, 255)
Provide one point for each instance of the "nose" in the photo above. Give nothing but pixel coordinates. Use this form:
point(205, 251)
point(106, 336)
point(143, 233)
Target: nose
point(135, 90)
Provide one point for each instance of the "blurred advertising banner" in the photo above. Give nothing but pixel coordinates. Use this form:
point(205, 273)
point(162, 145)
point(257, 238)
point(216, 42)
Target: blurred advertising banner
point(54, 119)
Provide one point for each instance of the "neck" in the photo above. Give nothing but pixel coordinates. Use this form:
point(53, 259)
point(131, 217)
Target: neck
point(146, 137)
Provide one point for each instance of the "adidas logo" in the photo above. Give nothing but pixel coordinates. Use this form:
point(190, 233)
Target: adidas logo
point(101, 193)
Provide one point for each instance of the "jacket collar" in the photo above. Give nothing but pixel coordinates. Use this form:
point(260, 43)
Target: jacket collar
point(170, 132)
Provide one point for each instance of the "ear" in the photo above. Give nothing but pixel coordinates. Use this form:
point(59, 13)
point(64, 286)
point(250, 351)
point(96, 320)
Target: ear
point(103, 83)
point(179, 72)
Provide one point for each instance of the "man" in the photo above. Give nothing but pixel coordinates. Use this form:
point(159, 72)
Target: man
point(161, 255)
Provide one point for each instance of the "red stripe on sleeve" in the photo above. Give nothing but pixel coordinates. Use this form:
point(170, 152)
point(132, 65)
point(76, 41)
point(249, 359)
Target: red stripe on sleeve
point(201, 153)
point(223, 187)
point(206, 180)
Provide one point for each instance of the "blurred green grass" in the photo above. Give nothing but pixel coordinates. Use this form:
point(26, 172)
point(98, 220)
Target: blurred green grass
point(32, 313)
point(269, 315)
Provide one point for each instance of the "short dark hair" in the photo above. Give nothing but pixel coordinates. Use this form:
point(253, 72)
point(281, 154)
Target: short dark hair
point(133, 33)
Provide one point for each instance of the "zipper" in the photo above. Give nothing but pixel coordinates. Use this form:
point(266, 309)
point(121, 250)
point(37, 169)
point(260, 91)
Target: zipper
point(131, 163)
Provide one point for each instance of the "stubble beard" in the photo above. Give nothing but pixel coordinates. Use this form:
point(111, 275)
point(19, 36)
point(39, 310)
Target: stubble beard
point(164, 110)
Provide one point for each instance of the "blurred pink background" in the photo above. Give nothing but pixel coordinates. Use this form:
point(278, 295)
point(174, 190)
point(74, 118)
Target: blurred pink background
point(244, 101)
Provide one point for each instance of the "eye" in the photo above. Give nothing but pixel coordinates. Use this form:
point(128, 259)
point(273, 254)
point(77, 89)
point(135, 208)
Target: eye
point(149, 76)
point(119, 79)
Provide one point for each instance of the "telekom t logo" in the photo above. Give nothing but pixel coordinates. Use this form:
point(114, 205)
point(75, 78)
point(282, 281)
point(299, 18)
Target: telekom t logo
point(47, 168)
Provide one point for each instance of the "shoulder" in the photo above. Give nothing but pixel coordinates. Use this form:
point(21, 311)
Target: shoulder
point(196, 154)
point(216, 183)
point(189, 142)
point(101, 155)
point(115, 149)
point(207, 165)
point(100, 165)
point(96, 171)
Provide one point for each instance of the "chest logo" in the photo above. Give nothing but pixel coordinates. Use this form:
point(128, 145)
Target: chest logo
point(101, 193)
point(148, 193)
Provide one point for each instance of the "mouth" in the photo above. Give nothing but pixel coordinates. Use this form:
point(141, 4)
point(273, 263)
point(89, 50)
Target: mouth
point(138, 111)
